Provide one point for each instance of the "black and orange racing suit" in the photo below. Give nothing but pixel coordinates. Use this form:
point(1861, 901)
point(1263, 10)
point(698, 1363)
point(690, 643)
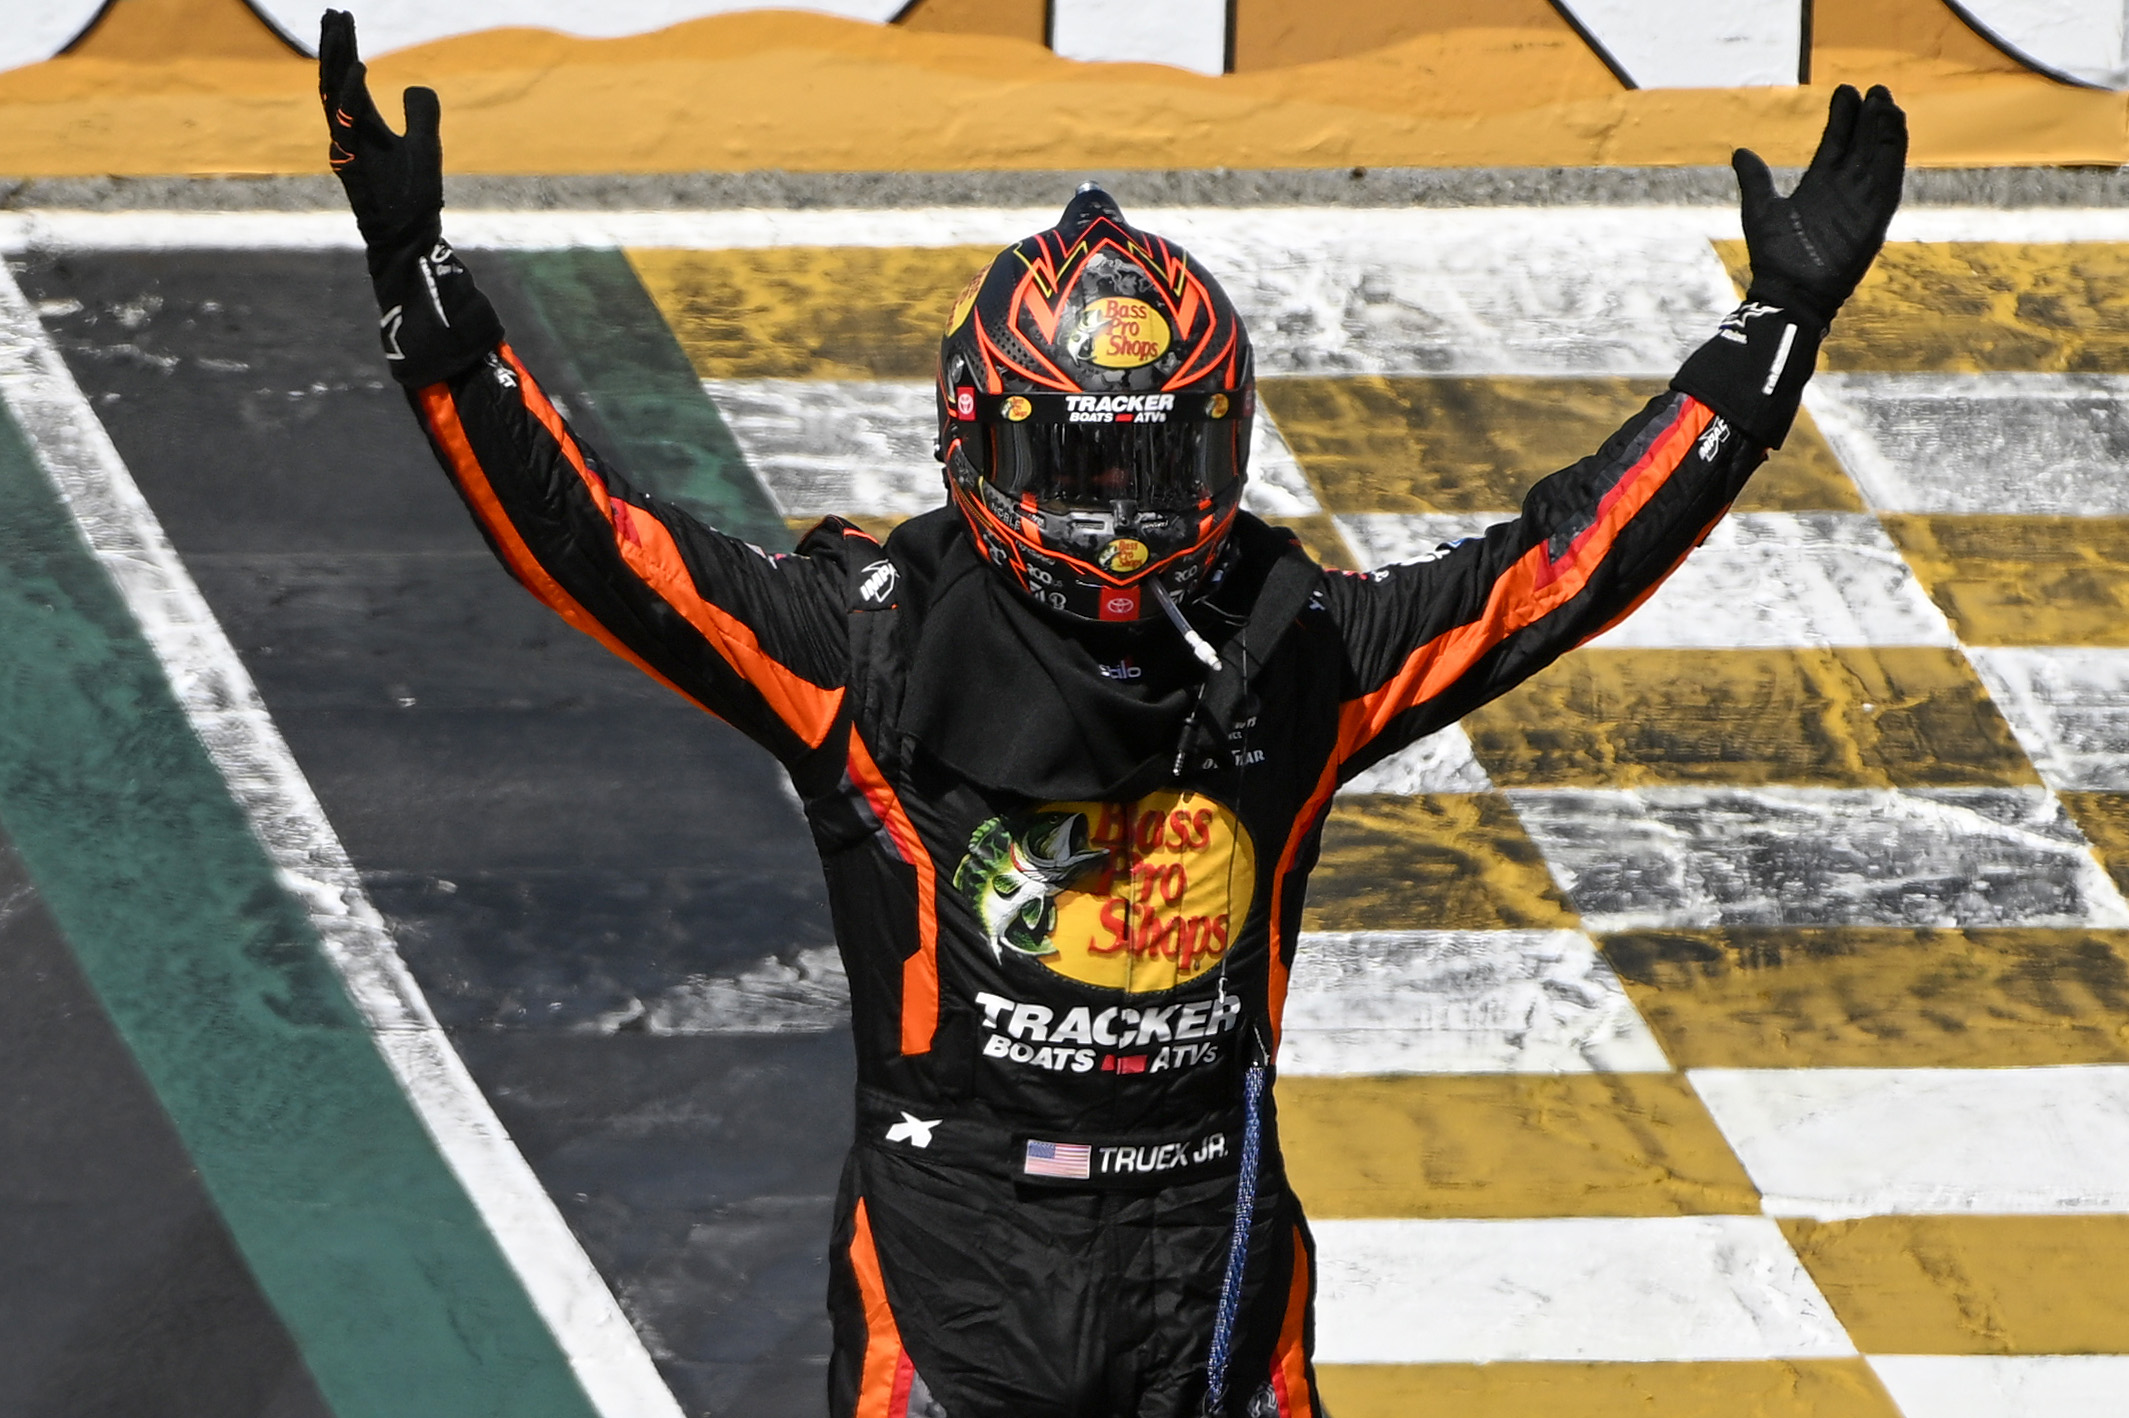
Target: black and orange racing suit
point(1066, 1011)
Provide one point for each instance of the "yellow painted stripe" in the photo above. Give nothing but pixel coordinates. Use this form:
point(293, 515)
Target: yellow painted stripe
point(1375, 444)
point(1850, 717)
point(2104, 819)
point(1507, 1145)
point(2023, 580)
point(1974, 1284)
point(1976, 306)
point(1444, 861)
point(1807, 1388)
point(1880, 997)
point(810, 312)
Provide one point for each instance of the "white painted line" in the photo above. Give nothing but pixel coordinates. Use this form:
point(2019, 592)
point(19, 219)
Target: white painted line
point(1998, 444)
point(2068, 706)
point(808, 994)
point(1777, 579)
point(523, 231)
point(1277, 487)
point(1671, 1288)
point(1375, 1002)
point(475, 228)
point(1393, 291)
point(1761, 580)
point(1388, 538)
point(1501, 292)
point(1442, 762)
point(862, 448)
point(2039, 225)
point(837, 447)
point(1997, 1386)
point(1692, 857)
point(1845, 1142)
point(231, 720)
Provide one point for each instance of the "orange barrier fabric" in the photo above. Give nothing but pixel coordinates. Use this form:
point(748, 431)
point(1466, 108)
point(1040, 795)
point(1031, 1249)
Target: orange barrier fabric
point(806, 92)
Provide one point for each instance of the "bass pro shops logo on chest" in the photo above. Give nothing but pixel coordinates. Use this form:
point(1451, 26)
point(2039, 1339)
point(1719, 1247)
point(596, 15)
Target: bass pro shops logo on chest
point(1137, 897)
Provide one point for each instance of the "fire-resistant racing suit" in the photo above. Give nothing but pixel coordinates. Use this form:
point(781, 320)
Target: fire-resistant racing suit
point(1065, 1196)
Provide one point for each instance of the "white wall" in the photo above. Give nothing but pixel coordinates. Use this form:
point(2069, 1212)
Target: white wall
point(1699, 44)
point(31, 30)
point(2086, 39)
point(1191, 34)
point(1660, 43)
point(395, 24)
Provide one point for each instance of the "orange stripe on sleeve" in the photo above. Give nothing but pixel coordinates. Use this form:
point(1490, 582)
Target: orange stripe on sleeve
point(887, 1368)
point(920, 972)
point(1304, 822)
point(441, 413)
point(1529, 590)
point(1656, 585)
point(648, 548)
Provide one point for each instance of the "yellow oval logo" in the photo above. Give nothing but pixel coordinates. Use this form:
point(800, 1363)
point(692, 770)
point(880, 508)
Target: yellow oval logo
point(1218, 407)
point(1119, 332)
point(1138, 897)
point(1123, 556)
point(1017, 408)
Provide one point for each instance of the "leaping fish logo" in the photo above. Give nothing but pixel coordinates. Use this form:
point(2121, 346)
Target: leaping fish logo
point(1011, 874)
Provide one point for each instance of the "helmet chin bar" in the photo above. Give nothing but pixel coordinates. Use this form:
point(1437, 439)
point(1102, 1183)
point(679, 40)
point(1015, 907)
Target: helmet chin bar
point(1060, 571)
point(1088, 532)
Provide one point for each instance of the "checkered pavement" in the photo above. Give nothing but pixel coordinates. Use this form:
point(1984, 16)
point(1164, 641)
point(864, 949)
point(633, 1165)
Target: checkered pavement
point(1734, 1019)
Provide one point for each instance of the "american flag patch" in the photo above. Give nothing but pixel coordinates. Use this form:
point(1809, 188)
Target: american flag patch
point(1074, 1161)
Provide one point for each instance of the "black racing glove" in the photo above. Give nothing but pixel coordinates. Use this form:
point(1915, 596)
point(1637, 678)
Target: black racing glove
point(434, 322)
point(1810, 248)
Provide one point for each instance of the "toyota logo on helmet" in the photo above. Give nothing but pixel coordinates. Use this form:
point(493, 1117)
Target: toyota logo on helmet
point(1096, 394)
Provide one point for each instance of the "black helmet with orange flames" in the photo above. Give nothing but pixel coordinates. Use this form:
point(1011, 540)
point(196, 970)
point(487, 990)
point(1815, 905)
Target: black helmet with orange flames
point(1095, 400)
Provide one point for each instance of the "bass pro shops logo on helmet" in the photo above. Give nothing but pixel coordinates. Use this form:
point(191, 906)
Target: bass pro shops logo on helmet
point(1117, 332)
point(1096, 391)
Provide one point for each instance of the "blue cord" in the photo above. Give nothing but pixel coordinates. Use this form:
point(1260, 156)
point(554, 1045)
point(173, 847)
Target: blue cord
point(1223, 1325)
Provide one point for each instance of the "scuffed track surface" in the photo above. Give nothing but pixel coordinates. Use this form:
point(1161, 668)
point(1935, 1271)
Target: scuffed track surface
point(550, 837)
point(1730, 1020)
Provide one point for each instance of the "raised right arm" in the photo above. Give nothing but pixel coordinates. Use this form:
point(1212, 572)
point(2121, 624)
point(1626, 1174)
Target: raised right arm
point(755, 637)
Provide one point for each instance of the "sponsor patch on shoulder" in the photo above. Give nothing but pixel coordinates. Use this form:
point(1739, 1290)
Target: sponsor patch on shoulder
point(877, 582)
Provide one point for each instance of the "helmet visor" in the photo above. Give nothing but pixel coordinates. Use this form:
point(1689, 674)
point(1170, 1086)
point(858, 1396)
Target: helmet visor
point(1093, 451)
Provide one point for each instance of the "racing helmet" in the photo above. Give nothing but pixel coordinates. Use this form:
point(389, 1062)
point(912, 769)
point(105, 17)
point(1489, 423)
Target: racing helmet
point(1096, 394)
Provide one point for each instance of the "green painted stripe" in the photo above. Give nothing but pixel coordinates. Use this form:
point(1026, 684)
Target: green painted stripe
point(665, 433)
point(359, 1234)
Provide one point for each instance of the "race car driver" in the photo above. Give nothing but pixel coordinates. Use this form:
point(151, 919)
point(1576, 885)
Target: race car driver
point(1066, 744)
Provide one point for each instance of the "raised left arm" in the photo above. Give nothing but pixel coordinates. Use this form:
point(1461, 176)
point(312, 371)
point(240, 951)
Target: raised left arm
point(1430, 640)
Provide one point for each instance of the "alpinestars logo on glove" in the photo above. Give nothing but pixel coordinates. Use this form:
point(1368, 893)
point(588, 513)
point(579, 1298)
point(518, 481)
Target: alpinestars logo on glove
point(1138, 896)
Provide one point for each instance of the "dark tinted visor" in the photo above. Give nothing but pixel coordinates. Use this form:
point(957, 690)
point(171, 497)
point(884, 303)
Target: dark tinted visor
point(1165, 452)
